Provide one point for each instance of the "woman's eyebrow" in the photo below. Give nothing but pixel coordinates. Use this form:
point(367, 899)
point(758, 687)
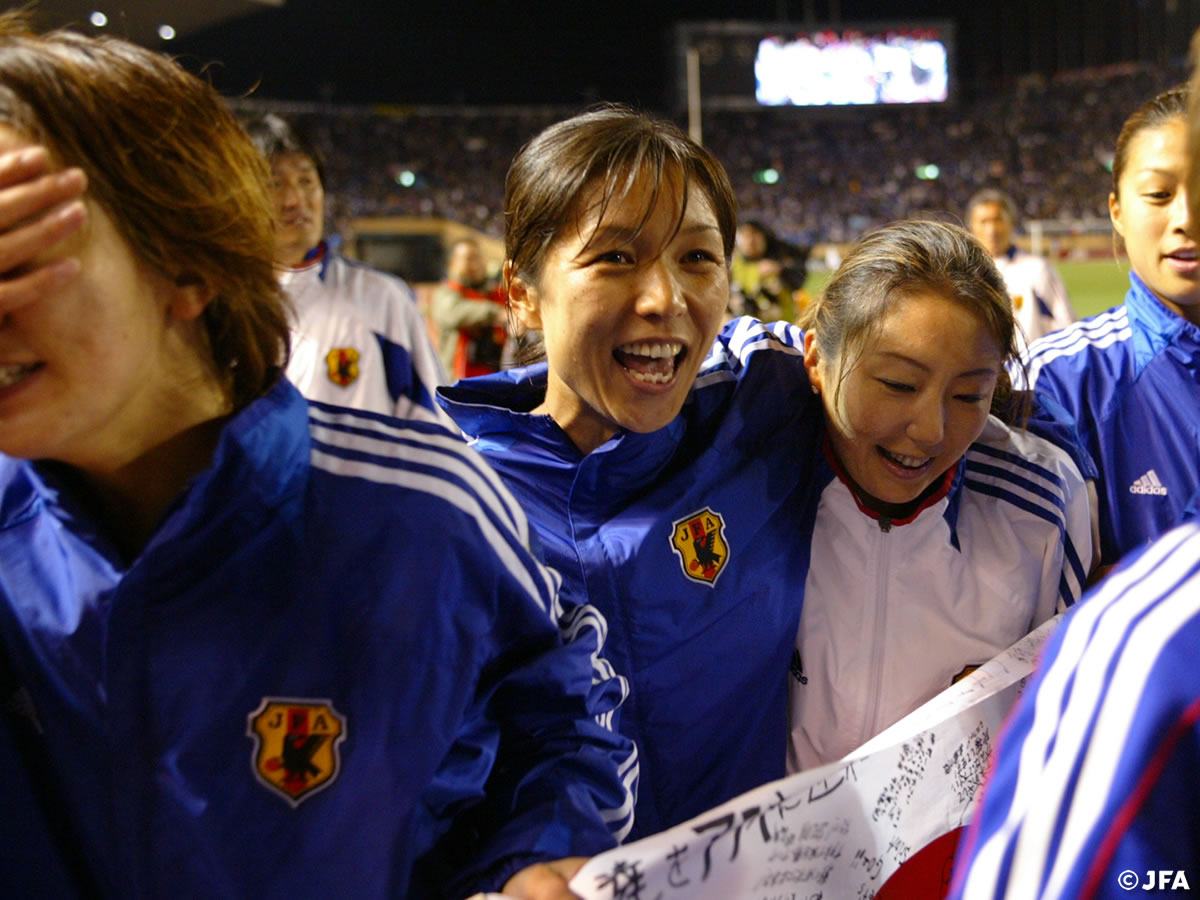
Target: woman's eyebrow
point(984, 370)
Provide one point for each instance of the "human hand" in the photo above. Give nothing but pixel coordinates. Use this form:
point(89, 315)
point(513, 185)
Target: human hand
point(38, 209)
point(545, 881)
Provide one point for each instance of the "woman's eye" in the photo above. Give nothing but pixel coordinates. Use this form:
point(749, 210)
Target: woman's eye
point(898, 386)
point(619, 257)
point(1157, 195)
point(698, 256)
point(970, 398)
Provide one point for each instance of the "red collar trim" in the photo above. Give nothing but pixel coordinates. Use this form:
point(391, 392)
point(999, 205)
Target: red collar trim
point(942, 490)
point(313, 257)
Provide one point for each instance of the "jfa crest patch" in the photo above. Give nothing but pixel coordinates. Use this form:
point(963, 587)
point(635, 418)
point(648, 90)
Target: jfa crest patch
point(699, 541)
point(343, 365)
point(295, 746)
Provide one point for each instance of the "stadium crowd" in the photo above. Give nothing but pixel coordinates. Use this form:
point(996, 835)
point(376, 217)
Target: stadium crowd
point(1046, 140)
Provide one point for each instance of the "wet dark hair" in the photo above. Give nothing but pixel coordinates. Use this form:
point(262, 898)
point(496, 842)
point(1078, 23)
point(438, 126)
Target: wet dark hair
point(896, 262)
point(610, 147)
point(1157, 111)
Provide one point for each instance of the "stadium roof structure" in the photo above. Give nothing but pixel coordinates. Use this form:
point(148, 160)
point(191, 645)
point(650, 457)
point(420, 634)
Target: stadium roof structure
point(141, 20)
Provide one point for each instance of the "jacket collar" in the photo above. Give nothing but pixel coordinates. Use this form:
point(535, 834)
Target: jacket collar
point(1159, 327)
point(260, 463)
point(494, 412)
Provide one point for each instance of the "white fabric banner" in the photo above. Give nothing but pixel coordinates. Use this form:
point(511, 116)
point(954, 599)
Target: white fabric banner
point(839, 831)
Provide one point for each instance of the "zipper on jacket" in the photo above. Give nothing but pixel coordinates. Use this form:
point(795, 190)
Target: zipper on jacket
point(875, 685)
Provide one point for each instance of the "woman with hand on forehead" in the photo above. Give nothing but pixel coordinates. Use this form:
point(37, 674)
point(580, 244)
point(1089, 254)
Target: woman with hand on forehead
point(676, 481)
point(248, 645)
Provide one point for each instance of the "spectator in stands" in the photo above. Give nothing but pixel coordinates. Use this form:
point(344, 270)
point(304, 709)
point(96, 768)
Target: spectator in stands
point(1038, 295)
point(359, 338)
point(469, 313)
point(767, 274)
point(677, 482)
point(249, 646)
point(1130, 377)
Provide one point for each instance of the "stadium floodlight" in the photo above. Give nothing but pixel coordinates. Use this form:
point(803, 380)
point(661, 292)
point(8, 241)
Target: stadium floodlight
point(98, 18)
point(767, 176)
point(406, 178)
point(927, 172)
point(166, 32)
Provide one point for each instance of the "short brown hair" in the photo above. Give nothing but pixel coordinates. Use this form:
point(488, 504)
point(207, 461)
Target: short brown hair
point(611, 146)
point(171, 167)
point(898, 261)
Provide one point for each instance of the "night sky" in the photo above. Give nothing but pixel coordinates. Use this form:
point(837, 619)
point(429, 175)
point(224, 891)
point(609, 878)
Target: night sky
point(578, 51)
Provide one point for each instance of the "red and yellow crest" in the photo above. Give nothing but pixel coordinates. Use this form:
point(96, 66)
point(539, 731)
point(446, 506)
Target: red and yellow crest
point(343, 365)
point(699, 541)
point(295, 746)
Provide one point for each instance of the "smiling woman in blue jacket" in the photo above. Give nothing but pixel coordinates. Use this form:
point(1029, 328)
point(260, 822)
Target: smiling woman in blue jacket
point(1130, 377)
point(679, 478)
point(249, 646)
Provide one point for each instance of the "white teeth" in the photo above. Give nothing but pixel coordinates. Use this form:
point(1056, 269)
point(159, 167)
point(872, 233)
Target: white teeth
point(651, 377)
point(10, 375)
point(912, 462)
point(654, 351)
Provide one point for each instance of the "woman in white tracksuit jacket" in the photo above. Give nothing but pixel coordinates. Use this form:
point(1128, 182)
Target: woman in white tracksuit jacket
point(942, 535)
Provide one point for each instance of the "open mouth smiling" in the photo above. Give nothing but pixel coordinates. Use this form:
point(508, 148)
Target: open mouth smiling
point(10, 375)
point(909, 463)
point(651, 362)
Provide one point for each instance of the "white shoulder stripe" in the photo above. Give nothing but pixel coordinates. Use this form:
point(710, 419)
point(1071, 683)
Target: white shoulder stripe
point(1076, 339)
point(1096, 326)
point(749, 336)
point(752, 335)
point(586, 617)
point(628, 772)
point(465, 501)
point(1030, 788)
point(1107, 743)
point(444, 451)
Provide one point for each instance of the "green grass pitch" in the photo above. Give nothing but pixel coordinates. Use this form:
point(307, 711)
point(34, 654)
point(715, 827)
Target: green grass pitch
point(1093, 286)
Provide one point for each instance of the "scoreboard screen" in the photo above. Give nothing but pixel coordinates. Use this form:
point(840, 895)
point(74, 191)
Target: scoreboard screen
point(743, 65)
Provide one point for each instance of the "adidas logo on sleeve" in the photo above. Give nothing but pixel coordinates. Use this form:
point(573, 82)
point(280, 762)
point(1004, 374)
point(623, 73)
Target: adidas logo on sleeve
point(1148, 484)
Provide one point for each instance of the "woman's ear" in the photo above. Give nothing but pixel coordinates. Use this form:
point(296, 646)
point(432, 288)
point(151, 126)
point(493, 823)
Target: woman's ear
point(190, 296)
point(1114, 213)
point(812, 361)
point(522, 298)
